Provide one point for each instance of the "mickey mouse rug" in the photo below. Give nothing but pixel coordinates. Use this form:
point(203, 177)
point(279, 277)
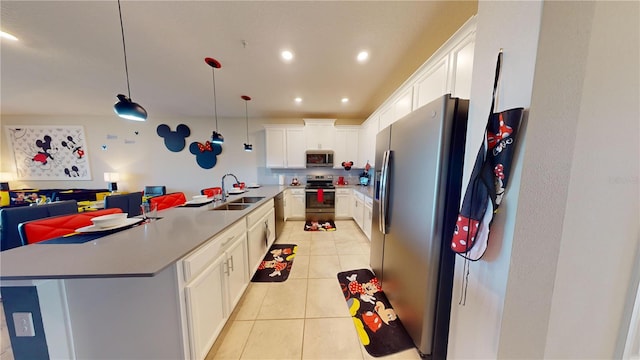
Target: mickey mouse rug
point(378, 326)
point(277, 263)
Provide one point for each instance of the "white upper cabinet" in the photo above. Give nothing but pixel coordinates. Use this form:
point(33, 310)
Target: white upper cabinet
point(433, 83)
point(346, 146)
point(320, 134)
point(404, 104)
point(367, 141)
point(285, 146)
point(461, 61)
point(296, 148)
point(275, 139)
point(447, 71)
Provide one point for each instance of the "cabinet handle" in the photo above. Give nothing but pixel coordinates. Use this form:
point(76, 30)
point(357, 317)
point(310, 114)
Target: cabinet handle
point(266, 232)
point(231, 266)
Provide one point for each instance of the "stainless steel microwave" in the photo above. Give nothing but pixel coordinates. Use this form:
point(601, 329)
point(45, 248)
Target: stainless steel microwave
point(319, 158)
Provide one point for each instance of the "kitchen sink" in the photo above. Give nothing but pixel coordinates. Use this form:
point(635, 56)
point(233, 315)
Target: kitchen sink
point(247, 200)
point(232, 206)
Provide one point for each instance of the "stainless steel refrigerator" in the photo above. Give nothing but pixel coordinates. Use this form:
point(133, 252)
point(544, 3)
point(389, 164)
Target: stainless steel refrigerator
point(418, 181)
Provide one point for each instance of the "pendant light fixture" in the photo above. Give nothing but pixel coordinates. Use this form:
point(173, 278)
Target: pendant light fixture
point(216, 137)
point(247, 147)
point(125, 107)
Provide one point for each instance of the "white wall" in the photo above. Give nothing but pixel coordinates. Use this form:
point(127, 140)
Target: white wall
point(601, 220)
point(558, 277)
point(513, 26)
point(143, 159)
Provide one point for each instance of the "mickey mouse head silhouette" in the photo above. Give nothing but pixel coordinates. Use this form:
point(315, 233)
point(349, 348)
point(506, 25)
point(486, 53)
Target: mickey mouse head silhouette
point(206, 154)
point(174, 140)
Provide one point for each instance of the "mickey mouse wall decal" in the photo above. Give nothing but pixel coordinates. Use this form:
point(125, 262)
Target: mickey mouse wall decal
point(174, 140)
point(206, 153)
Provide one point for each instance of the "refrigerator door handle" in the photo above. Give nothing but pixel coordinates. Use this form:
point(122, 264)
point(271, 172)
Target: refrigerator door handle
point(384, 192)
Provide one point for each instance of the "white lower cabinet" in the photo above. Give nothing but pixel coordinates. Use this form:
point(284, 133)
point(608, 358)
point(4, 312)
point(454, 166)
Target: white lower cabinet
point(260, 234)
point(215, 278)
point(368, 216)
point(343, 203)
point(296, 204)
point(357, 208)
point(362, 211)
point(205, 307)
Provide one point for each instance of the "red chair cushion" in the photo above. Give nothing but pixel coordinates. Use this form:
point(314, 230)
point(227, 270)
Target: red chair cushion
point(53, 227)
point(169, 200)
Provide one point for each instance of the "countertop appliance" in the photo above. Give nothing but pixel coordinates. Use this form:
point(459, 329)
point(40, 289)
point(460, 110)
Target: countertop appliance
point(320, 198)
point(279, 213)
point(416, 199)
point(319, 158)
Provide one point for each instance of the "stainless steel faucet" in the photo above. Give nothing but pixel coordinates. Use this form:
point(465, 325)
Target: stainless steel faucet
point(224, 192)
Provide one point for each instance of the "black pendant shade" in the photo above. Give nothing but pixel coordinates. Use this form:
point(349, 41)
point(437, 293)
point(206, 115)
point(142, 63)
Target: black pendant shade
point(127, 109)
point(217, 138)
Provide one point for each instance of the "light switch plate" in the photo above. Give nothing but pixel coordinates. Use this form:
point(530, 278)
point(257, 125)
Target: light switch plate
point(23, 322)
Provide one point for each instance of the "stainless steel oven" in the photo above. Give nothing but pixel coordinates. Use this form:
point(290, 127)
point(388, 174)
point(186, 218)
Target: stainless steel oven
point(320, 198)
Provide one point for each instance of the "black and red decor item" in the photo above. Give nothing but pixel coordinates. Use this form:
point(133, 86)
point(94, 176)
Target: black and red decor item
point(379, 328)
point(277, 263)
point(328, 225)
point(488, 180)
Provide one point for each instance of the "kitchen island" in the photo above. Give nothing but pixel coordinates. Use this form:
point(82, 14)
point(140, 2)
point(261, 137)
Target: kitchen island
point(161, 290)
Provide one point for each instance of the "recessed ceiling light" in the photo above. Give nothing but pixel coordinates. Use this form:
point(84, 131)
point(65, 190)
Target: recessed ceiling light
point(6, 35)
point(287, 55)
point(298, 100)
point(344, 100)
point(363, 56)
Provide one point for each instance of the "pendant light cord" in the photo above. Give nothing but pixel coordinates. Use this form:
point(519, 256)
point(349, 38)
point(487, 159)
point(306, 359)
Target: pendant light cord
point(215, 107)
point(246, 115)
point(124, 47)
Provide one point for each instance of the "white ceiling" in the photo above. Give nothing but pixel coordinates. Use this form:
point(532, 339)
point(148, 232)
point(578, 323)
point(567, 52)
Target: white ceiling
point(69, 60)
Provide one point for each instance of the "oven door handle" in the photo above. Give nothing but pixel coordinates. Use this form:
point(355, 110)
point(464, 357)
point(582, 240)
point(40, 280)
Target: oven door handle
point(316, 190)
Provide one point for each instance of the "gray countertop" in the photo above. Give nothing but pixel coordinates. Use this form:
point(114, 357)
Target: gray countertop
point(365, 190)
point(144, 250)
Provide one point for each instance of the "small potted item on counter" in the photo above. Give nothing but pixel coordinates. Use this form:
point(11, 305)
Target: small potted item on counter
point(295, 182)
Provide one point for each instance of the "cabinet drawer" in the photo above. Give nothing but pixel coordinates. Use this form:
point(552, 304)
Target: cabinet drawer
point(343, 191)
point(259, 213)
point(359, 195)
point(296, 192)
point(200, 258)
point(368, 201)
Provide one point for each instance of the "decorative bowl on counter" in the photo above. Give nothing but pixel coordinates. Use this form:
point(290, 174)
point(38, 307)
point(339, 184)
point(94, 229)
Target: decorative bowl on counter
point(107, 221)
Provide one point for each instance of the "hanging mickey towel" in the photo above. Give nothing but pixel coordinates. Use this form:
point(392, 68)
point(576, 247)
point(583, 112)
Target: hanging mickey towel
point(488, 180)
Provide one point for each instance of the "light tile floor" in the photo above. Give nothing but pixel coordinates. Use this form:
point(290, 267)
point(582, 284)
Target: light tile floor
point(305, 317)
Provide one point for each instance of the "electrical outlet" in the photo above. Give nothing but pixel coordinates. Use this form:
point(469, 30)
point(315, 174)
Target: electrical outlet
point(23, 323)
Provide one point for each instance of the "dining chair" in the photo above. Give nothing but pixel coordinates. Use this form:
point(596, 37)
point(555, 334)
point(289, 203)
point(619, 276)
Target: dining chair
point(128, 203)
point(56, 226)
point(211, 192)
point(154, 191)
point(168, 201)
point(10, 219)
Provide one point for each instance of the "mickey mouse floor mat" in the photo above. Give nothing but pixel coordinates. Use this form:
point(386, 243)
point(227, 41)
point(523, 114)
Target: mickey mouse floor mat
point(276, 265)
point(378, 326)
point(320, 226)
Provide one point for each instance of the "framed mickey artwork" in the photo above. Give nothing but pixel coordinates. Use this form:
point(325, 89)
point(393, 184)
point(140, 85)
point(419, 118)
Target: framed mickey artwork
point(50, 152)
